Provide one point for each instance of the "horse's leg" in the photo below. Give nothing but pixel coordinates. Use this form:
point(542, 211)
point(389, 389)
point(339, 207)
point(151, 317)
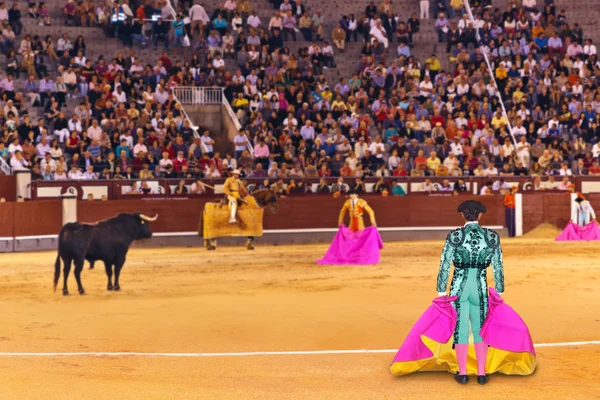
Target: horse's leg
point(250, 243)
point(211, 244)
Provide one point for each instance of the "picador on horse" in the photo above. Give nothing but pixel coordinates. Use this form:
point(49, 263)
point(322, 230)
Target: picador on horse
point(239, 213)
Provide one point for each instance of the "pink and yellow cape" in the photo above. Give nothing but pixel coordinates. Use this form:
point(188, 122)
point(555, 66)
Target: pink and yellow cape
point(428, 346)
point(354, 247)
point(574, 232)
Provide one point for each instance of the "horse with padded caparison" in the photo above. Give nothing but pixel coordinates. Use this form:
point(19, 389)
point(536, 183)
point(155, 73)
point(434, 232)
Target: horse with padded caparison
point(214, 220)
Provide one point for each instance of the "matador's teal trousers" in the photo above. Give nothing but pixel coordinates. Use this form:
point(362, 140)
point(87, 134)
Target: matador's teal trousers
point(469, 309)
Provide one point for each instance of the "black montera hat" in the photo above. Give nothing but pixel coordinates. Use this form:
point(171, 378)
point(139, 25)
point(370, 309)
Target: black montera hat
point(471, 205)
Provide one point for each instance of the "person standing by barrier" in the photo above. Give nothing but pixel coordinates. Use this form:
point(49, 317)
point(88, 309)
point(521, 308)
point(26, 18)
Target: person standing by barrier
point(509, 206)
point(582, 213)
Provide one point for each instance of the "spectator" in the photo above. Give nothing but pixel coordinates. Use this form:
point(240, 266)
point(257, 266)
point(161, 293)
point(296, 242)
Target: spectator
point(339, 37)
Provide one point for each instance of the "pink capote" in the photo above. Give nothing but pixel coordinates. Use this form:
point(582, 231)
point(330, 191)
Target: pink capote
point(575, 232)
point(503, 329)
point(354, 248)
point(436, 323)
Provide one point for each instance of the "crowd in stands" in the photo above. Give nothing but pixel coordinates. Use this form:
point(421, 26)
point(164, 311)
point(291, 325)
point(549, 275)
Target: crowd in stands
point(395, 116)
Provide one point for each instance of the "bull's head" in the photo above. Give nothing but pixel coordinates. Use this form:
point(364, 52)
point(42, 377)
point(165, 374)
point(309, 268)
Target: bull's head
point(144, 231)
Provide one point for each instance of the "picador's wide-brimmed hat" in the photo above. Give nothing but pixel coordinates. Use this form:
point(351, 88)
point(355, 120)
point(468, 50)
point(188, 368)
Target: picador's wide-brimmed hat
point(471, 205)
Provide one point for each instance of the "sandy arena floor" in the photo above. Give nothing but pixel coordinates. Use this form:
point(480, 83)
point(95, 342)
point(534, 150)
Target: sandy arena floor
point(188, 300)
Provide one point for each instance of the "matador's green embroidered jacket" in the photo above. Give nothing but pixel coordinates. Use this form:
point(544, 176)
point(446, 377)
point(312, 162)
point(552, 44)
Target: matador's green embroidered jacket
point(471, 247)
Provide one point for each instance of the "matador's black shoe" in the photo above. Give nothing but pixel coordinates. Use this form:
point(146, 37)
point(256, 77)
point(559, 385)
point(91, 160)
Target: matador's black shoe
point(462, 379)
point(483, 379)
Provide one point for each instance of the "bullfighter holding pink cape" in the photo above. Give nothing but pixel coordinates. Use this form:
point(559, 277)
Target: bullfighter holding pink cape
point(583, 225)
point(500, 340)
point(355, 244)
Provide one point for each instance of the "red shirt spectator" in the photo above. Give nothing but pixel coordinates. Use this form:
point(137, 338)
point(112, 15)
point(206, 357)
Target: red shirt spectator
point(438, 118)
point(169, 150)
point(179, 162)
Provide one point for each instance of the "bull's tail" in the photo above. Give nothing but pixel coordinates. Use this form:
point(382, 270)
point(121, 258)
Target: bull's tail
point(56, 271)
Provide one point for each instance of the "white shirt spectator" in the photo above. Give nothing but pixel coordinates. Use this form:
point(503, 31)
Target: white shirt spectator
point(523, 150)
point(294, 122)
point(208, 142)
point(565, 172)
point(254, 21)
point(519, 131)
point(508, 149)
point(393, 162)
point(213, 173)
point(163, 164)
point(41, 150)
point(121, 97)
point(45, 163)
point(428, 86)
point(327, 50)
point(589, 50)
point(17, 164)
point(89, 176)
point(490, 171)
point(129, 140)
point(12, 148)
point(456, 149)
point(240, 142)
point(198, 13)
point(94, 133)
point(497, 186)
point(378, 33)
point(451, 163)
point(76, 126)
point(218, 63)
point(135, 68)
point(63, 44)
point(427, 187)
point(230, 163)
point(595, 150)
point(75, 175)
point(140, 147)
point(161, 96)
point(198, 189)
point(377, 149)
point(360, 148)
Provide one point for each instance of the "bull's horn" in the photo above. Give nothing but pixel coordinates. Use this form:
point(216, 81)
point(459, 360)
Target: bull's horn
point(146, 218)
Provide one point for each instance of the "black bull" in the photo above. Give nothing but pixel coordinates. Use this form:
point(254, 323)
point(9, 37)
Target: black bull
point(107, 241)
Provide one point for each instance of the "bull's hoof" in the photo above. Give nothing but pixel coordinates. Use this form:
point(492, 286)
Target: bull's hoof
point(65, 292)
point(109, 287)
point(82, 291)
point(117, 288)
